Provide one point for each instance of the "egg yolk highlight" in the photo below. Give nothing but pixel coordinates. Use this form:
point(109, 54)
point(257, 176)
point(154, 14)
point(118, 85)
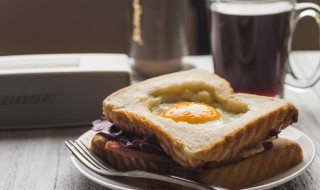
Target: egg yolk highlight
point(191, 112)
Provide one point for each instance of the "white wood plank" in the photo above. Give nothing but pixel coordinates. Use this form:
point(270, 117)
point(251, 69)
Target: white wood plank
point(38, 159)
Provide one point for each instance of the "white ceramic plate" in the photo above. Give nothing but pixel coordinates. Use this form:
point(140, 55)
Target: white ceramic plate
point(291, 133)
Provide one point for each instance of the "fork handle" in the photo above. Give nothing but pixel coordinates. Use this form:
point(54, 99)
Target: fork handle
point(171, 179)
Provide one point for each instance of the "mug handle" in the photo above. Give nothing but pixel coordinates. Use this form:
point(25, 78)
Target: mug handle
point(311, 10)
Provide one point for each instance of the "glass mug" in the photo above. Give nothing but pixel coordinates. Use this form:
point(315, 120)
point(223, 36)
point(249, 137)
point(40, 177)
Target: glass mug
point(251, 41)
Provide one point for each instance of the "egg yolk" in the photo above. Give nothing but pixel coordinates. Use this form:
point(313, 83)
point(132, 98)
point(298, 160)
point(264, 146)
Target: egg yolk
point(191, 112)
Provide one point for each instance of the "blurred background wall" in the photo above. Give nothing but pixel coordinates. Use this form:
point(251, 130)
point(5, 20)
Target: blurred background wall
point(99, 26)
point(63, 26)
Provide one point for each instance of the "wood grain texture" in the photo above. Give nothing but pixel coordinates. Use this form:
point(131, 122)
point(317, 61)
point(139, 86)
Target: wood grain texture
point(38, 159)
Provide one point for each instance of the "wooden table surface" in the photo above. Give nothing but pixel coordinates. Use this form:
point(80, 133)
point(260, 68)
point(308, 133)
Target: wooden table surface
point(38, 159)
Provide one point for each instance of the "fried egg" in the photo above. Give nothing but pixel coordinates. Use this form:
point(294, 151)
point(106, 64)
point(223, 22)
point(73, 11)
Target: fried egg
point(191, 112)
point(194, 113)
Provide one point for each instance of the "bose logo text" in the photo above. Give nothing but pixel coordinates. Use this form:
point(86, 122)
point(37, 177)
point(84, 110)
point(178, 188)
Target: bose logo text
point(28, 99)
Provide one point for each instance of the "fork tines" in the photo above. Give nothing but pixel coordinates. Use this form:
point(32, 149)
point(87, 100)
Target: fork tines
point(85, 152)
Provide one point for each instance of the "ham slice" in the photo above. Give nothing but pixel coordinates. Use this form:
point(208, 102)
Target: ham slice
point(117, 148)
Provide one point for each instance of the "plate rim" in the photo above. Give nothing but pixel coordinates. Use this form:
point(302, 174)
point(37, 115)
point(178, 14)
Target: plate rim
point(269, 185)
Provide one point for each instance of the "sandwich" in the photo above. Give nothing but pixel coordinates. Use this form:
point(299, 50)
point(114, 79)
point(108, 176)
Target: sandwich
point(192, 124)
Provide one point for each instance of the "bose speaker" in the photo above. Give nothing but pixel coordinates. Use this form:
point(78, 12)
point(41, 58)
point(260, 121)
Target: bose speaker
point(58, 90)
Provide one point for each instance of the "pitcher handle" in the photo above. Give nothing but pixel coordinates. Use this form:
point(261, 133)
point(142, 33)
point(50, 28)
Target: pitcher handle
point(304, 10)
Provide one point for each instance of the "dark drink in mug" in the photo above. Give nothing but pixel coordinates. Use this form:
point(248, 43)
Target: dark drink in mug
point(250, 46)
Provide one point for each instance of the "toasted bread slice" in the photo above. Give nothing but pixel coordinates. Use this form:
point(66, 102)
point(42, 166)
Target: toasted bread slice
point(192, 145)
point(283, 155)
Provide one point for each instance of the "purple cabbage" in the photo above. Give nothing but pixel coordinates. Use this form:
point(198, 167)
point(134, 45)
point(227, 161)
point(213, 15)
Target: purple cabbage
point(111, 132)
point(274, 133)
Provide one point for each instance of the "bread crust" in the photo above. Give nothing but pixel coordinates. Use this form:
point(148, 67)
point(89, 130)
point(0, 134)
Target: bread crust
point(194, 145)
point(284, 155)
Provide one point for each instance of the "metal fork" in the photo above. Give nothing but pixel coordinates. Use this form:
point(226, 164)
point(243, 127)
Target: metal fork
point(91, 161)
